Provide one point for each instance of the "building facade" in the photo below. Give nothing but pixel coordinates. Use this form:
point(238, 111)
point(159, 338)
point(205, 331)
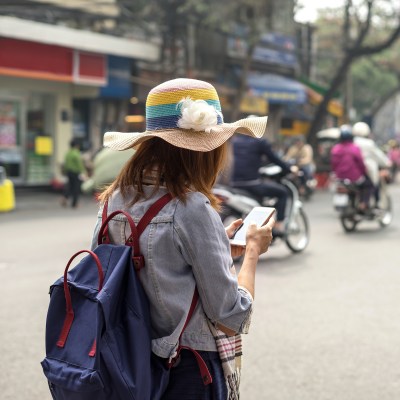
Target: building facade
point(59, 83)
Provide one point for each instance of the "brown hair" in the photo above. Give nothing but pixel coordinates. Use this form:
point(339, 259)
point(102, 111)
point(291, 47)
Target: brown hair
point(180, 170)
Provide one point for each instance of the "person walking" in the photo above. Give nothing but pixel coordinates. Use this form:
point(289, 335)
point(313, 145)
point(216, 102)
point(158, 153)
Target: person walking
point(73, 168)
point(186, 245)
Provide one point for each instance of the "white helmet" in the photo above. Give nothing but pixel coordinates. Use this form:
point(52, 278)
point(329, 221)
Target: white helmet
point(361, 129)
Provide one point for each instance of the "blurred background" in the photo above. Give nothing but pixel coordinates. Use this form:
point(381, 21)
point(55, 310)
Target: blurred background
point(77, 68)
point(326, 323)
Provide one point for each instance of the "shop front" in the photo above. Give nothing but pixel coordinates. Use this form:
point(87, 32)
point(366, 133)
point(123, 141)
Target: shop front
point(27, 136)
point(36, 96)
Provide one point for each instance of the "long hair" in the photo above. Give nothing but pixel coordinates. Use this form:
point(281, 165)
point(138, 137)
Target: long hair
point(179, 170)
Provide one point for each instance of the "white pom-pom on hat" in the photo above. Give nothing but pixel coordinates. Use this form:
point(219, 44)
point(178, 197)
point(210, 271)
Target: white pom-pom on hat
point(197, 115)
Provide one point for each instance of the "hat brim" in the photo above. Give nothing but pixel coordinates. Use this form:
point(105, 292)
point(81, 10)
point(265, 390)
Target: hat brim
point(187, 138)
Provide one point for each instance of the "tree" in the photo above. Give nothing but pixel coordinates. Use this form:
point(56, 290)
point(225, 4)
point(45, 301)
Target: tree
point(358, 41)
point(371, 83)
point(225, 16)
point(177, 21)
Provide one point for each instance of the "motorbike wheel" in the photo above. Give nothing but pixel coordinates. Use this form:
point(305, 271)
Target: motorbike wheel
point(297, 234)
point(349, 224)
point(386, 209)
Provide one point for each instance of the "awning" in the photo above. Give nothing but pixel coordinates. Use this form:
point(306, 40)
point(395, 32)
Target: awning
point(316, 92)
point(317, 87)
point(20, 29)
point(334, 107)
point(277, 89)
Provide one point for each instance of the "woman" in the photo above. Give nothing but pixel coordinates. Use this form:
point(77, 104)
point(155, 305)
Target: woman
point(348, 164)
point(186, 246)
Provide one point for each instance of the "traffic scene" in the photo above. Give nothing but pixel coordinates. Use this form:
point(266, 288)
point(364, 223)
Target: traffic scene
point(199, 200)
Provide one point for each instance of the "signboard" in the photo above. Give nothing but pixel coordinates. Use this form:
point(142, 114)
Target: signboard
point(43, 145)
point(119, 78)
point(27, 59)
point(254, 105)
point(273, 48)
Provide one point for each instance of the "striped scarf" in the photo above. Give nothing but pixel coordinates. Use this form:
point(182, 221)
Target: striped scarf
point(230, 353)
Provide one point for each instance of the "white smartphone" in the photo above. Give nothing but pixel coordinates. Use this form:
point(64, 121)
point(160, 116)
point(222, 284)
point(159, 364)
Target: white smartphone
point(258, 215)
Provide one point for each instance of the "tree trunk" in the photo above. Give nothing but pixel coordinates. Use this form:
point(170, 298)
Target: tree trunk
point(320, 114)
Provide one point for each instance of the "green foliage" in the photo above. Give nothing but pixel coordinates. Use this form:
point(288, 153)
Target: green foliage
point(370, 84)
point(372, 77)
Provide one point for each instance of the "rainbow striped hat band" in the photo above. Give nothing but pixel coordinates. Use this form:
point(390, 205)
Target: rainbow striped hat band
point(186, 113)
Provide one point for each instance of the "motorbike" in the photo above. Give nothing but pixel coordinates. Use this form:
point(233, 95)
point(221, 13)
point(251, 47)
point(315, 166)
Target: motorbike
point(237, 203)
point(346, 201)
point(305, 187)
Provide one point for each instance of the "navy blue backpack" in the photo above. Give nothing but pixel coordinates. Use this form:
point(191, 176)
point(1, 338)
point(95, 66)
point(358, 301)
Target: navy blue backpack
point(98, 342)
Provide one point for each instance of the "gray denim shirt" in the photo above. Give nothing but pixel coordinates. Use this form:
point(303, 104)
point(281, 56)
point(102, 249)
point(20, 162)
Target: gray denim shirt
point(184, 245)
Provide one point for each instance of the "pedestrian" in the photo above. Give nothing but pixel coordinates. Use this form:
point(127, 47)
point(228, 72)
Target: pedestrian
point(249, 155)
point(186, 245)
point(73, 167)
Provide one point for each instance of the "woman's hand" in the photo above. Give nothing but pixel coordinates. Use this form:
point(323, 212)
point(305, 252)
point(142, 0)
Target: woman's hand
point(260, 237)
point(231, 229)
point(236, 251)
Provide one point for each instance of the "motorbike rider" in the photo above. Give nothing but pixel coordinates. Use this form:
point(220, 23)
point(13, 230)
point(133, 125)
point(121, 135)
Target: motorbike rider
point(301, 154)
point(348, 164)
point(248, 157)
point(374, 158)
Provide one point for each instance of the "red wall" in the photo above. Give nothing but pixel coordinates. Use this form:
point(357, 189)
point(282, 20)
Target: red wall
point(42, 61)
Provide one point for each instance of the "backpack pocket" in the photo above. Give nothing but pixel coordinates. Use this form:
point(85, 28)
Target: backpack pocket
point(73, 382)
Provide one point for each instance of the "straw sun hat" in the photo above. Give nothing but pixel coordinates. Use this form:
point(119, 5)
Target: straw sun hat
point(186, 113)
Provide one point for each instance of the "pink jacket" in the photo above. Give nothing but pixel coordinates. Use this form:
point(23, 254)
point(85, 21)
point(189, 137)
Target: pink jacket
point(394, 155)
point(347, 161)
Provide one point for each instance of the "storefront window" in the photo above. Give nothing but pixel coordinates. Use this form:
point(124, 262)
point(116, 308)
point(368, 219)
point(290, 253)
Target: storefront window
point(10, 137)
point(39, 139)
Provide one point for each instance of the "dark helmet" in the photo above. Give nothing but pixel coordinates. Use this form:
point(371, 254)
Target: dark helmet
point(346, 134)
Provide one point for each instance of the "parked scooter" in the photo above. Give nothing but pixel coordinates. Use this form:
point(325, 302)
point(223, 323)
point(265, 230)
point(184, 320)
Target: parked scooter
point(346, 200)
point(238, 203)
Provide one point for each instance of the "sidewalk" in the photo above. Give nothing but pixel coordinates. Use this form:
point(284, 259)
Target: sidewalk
point(42, 201)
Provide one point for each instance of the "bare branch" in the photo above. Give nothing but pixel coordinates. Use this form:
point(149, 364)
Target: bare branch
point(368, 50)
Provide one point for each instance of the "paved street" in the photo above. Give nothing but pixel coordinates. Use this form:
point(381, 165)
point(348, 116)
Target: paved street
point(326, 324)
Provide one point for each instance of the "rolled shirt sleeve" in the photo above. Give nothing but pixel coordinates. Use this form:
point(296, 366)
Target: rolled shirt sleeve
point(202, 240)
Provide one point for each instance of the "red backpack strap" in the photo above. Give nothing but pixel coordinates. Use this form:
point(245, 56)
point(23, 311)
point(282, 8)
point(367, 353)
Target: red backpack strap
point(69, 316)
point(155, 208)
point(152, 212)
point(204, 371)
point(138, 261)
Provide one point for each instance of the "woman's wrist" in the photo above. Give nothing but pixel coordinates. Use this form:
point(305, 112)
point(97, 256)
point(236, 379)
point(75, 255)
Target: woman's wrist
point(252, 250)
